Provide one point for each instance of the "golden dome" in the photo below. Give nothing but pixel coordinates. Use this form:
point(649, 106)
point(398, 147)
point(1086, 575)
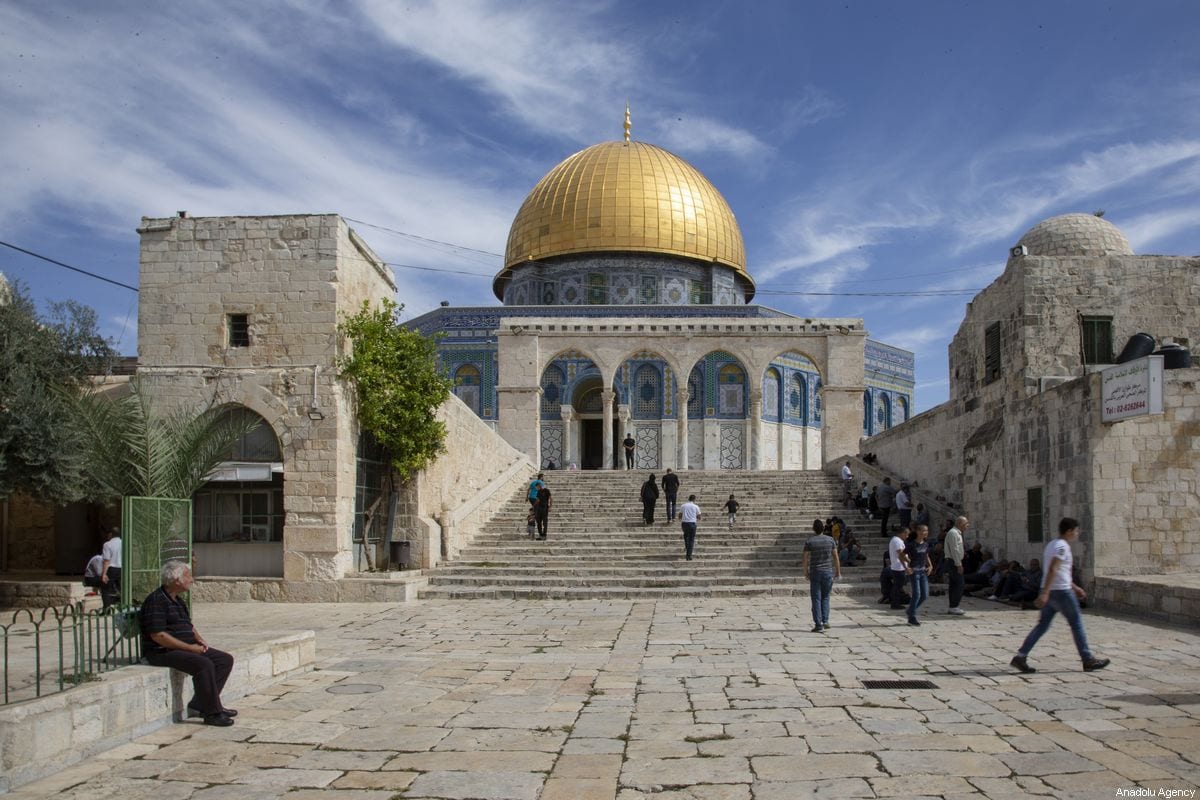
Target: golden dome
point(625, 197)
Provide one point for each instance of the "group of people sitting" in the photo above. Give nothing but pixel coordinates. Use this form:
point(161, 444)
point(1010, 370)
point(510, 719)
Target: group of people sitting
point(849, 548)
point(983, 574)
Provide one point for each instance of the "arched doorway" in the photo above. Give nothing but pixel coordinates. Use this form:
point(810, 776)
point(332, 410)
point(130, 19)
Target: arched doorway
point(588, 402)
point(237, 516)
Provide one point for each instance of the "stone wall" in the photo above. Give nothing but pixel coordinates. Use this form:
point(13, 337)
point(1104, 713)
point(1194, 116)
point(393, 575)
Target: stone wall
point(29, 535)
point(447, 504)
point(1133, 485)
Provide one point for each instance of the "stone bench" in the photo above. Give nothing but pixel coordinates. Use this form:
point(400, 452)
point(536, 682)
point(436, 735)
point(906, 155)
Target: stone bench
point(42, 736)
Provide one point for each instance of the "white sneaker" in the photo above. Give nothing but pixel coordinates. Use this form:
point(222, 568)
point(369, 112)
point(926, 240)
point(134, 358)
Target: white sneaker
point(993, 597)
point(958, 612)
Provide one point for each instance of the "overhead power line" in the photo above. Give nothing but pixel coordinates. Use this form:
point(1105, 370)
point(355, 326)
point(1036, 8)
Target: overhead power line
point(68, 266)
point(422, 238)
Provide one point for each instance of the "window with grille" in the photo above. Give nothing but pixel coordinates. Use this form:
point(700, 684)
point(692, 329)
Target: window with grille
point(1034, 518)
point(770, 401)
point(991, 353)
point(239, 330)
point(798, 399)
point(1097, 340)
point(647, 393)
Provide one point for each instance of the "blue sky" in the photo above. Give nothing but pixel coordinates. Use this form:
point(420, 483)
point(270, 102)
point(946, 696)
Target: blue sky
point(863, 146)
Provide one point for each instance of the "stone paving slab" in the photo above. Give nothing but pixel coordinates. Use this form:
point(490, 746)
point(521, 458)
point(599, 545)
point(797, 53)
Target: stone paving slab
point(731, 699)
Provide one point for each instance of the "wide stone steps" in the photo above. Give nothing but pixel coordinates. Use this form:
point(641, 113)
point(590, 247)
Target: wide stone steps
point(598, 546)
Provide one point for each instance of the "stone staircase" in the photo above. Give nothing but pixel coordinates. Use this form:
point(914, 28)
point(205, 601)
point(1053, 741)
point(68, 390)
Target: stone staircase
point(598, 546)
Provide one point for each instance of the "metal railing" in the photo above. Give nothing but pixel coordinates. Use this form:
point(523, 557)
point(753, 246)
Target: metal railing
point(49, 650)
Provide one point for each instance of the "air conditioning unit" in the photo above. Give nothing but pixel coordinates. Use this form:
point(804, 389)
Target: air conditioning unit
point(1050, 381)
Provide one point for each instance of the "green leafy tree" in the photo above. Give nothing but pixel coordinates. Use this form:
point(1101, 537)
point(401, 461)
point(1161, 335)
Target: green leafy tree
point(136, 450)
point(398, 385)
point(44, 362)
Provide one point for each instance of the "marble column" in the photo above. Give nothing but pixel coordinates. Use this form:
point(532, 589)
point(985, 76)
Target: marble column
point(681, 432)
point(606, 400)
point(623, 414)
point(568, 418)
point(754, 439)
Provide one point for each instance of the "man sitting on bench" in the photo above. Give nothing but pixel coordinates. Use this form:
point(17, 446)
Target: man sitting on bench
point(170, 640)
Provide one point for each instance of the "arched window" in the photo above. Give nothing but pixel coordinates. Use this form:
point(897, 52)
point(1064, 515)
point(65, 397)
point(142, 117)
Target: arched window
point(552, 392)
point(696, 394)
point(867, 412)
point(260, 444)
point(731, 390)
point(798, 399)
point(770, 395)
point(817, 401)
point(647, 393)
point(466, 386)
point(903, 402)
point(883, 414)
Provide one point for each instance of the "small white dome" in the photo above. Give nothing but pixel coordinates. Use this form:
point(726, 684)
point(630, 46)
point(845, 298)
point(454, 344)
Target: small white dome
point(1076, 235)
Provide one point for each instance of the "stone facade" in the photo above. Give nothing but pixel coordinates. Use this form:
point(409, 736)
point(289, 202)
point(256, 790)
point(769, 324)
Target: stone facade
point(1022, 427)
point(289, 279)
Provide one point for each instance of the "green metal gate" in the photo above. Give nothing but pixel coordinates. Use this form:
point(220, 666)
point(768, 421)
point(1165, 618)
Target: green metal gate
point(154, 530)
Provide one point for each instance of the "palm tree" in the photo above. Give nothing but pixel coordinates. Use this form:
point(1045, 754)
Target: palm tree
point(134, 450)
point(137, 451)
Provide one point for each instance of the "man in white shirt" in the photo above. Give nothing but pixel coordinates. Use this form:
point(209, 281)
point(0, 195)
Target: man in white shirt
point(847, 484)
point(1060, 594)
point(953, 552)
point(110, 568)
point(898, 568)
point(904, 506)
point(689, 515)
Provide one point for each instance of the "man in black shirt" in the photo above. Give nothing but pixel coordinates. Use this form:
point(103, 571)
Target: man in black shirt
point(170, 640)
point(670, 483)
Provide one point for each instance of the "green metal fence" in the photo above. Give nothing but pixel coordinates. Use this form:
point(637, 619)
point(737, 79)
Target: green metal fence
point(155, 530)
point(48, 650)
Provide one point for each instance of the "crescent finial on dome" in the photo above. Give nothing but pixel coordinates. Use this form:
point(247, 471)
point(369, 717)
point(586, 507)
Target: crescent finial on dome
point(628, 124)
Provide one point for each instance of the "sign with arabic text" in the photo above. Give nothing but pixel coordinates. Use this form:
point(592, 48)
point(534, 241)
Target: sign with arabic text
point(1132, 389)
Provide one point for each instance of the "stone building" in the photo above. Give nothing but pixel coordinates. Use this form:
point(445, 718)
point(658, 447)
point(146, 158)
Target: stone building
point(1020, 443)
point(627, 310)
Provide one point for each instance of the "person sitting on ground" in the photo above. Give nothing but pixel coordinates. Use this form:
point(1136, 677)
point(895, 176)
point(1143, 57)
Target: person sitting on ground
point(1013, 588)
point(982, 577)
point(863, 499)
point(1000, 573)
point(169, 639)
point(850, 551)
point(972, 559)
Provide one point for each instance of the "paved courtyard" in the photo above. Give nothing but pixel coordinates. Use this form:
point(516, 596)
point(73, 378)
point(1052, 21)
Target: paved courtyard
point(708, 700)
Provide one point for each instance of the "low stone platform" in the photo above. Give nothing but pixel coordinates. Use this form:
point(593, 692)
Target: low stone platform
point(41, 591)
point(382, 587)
point(43, 736)
point(1173, 598)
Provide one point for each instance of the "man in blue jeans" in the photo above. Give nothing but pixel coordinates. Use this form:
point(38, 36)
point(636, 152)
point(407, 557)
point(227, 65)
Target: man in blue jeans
point(1060, 594)
point(821, 566)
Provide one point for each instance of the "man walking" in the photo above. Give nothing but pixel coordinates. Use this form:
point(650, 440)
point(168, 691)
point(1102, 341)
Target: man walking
point(541, 511)
point(899, 571)
point(670, 485)
point(1060, 594)
point(689, 515)
point(885, 499)
point(821, 566)
point(952, 560)
point(110, 569)
point(847, 485)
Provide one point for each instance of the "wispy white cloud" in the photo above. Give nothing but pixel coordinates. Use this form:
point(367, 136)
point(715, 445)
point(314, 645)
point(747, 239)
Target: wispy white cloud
point(695, 135)
point(1145, 230)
